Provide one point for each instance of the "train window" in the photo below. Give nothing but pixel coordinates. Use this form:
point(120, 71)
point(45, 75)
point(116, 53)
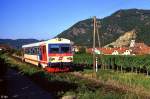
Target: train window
point(38, 50)
point(26, 51)
point(30, 51)
point(65, 49)
point(33, 51)
point(54, 48)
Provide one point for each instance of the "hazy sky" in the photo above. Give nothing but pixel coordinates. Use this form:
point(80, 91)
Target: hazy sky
point(44, 19)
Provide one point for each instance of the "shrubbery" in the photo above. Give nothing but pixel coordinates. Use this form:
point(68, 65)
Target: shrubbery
point(3, 65)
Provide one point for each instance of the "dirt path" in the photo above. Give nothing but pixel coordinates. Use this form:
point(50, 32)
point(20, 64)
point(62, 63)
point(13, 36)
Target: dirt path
point(20, 87)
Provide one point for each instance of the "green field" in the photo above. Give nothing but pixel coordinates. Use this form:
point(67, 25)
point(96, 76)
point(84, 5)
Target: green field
point(133, 82)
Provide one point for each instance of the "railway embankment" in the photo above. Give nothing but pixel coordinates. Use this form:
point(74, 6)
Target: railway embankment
point(15, 85)
point(3, 82)
point(21, 87)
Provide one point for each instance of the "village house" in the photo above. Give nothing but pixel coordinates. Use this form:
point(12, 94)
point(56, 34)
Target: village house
point(4, 47)
point(75, 49)
point(140, 49)
point(134, 49)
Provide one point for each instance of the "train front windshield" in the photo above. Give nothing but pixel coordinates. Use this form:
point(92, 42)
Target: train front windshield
point(65, 49)
point(59, 48)
point(53, 48)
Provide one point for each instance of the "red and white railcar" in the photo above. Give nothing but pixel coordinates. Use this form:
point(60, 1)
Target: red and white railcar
point(51, 53)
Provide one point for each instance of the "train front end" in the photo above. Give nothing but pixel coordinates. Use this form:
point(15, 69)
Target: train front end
point(60, 55)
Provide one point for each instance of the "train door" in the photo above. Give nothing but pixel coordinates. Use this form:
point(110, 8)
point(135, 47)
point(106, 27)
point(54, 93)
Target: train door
point(43, 53)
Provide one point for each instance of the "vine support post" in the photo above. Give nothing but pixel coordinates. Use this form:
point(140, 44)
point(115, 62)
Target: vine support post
point(96, 65)
point(136, 71)
point(131, 69)
point(121, 68)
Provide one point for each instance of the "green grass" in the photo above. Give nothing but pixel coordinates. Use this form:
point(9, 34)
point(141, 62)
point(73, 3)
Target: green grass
point(100, 94)
point(22, 67)
point(130, 79)
point(86, 89)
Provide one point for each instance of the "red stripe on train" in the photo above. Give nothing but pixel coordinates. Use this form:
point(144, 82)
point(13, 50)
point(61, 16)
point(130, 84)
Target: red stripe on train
point(43, 62)
point(55, 70)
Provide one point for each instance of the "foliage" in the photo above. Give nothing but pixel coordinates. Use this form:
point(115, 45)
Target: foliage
point(24, 68)
point(17, 44)
point(3, 65)
point(134, 80)
point(137, 62)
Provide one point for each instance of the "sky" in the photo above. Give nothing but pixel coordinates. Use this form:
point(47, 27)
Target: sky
point(44, 19)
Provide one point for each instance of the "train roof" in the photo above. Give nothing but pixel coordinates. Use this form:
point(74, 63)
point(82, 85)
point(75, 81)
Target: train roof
point(51, 41)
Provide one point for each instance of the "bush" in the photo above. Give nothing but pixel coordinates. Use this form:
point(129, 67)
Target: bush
point(3, 66)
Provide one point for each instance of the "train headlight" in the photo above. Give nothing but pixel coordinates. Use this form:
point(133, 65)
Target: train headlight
point(70, 58)
point(51, 59)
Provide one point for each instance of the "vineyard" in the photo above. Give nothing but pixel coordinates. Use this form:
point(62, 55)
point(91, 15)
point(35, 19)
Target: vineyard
point(138, 64)
point(128, 71)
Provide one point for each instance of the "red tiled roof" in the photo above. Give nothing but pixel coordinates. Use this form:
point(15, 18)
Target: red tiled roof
point(3, 46)
point(141, 48)
point(108, 50)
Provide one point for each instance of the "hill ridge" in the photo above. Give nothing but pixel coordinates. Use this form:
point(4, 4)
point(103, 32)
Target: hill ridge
point(112, 27)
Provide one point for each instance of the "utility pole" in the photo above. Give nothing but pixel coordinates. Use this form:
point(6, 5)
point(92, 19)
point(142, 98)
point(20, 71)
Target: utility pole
point(97, 26)
point(94, 63)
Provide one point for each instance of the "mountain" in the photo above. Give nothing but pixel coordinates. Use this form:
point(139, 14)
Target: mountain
point(111, 28)
point(17, 44)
